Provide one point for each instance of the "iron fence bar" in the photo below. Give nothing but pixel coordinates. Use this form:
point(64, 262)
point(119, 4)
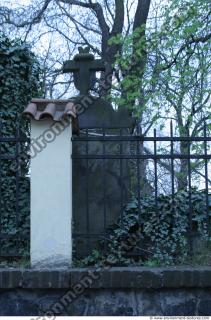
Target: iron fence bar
point(172, 159)
point(15, 139)
point(104, 188)
point(206, 182)
point(91, 235)
point(190, 216)
point(172, 173)
point(106, 127)
point(156, 173)
point(3, 157)
point(138, 185)
point(17, 177)
point(11, 256)
point(121, 179)
point(4, 236)
point(158, 156)
point(87, 188)
point(0, 183)
point(139, 138)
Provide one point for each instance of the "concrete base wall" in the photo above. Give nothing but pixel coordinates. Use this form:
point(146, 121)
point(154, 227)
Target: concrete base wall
point(114, 292)
point(107, 303)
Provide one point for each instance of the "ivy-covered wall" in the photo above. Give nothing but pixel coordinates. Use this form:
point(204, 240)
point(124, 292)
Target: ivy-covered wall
point(19, 77)
point(19, 82)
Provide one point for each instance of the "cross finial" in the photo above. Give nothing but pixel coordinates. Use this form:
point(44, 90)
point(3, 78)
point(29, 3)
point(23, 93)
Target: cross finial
point(84, 67)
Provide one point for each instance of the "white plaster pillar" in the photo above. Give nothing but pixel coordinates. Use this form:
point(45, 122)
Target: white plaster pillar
point(51, 194)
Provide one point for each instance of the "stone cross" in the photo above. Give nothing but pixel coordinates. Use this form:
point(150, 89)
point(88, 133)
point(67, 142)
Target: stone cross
point(84, 67)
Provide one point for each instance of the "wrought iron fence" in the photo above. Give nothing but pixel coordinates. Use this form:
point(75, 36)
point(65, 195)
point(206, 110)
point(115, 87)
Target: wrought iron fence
point(120, 182)
point(119, 179)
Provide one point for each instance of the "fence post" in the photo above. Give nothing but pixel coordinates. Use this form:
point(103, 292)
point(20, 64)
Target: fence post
point(51, 195)
point(51, 182)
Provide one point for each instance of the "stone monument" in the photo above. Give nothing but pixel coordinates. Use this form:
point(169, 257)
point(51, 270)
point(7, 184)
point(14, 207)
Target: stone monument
point(99, 184)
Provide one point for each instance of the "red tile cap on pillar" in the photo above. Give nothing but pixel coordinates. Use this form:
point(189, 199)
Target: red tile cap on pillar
point(49, 111)
point(31, 110)
point(70, 110)
point(44, 109)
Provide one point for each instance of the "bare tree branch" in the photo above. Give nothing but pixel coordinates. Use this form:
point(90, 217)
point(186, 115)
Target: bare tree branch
point(96, 7)
point(36, 19)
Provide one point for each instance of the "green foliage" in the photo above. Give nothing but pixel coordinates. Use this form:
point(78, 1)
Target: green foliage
point(16, 226)
point(159, 234)
point(170, 79)
point(19, 81)
point(19, 76)
point(134, 50)
point(173, 81)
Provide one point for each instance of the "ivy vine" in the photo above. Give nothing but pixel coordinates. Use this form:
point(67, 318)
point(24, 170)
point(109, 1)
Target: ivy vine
point(19, 82)
point(157, 234)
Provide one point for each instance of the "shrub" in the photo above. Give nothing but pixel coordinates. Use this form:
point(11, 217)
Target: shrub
point(158, 234)
point(19, 81)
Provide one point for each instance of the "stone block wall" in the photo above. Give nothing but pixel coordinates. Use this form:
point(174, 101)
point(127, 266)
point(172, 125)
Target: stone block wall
point(111, 292)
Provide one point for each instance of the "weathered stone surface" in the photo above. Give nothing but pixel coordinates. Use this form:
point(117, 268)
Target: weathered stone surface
point(148, 302)
point(106, 302)
point(99, 113)
point(101, 302)
point(95, 181)
point(100, 181)
point(204, 307)
point(179, 302)
point(15, 303)
point(187, 308)
point(112, 292)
